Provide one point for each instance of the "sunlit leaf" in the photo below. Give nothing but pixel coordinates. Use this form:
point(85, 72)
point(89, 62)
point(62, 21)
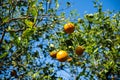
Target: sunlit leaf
point(34, 11)
point(35, 75)
point(28, 32)
point(6, 19)
point(57, 4)
point(95, 50)
point(29, 23)
point(3, 55)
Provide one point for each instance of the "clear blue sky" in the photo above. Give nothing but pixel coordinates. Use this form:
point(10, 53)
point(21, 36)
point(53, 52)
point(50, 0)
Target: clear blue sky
point(86, 6)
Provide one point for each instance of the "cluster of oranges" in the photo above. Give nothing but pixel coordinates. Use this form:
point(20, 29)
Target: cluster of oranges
point(62, 55)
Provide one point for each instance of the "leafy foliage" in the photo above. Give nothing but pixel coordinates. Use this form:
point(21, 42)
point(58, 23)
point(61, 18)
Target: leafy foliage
point(31, 29)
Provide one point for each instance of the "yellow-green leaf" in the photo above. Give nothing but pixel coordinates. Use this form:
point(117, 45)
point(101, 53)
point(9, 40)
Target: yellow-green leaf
point(5, 19)
point(29, 23)
point(3, 55)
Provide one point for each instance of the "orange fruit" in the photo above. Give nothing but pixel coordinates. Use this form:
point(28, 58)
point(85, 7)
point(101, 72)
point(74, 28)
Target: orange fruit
point(62, 56)
point(69, 59)
point(53, 54)
point(79, 50)
point(69, 28)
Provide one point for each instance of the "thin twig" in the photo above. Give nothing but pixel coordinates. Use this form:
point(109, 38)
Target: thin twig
point(63, 9)
point(15, 30)
point(3, 34)
point(20, 18)
point(14, 19)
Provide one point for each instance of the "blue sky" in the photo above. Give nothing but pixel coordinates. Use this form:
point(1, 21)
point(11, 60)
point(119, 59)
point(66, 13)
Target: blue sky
point(86, 6)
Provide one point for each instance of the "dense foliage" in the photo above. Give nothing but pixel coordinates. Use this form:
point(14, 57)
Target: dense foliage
point(31, 29)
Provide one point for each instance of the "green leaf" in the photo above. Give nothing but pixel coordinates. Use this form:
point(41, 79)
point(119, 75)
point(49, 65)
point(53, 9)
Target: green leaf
point(28, 32)
point(35, 74)
point(57, 4)
point(29, 23)
point(30, 73)
point(34, 10)
point(14, 63)
point(95, 50)
point(18, 40)
point(34, 2)
point(41, 7)
point(3, 55)
point(6, 19)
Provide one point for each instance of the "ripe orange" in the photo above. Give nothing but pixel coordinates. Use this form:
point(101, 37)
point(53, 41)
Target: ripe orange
point(69, 59)
point(62, 56)
point(79, 50)
point(53, 54)
point(69, 27)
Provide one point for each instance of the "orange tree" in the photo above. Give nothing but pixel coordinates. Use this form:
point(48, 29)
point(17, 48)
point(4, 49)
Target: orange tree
point(31, 29)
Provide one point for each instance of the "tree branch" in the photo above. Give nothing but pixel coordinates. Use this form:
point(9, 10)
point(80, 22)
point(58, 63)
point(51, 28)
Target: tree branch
point(3, 34)
point(15, 30)
point(27, 17)
point(13, 19)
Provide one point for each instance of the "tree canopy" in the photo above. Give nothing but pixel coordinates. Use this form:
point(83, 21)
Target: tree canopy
point(31, 29)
